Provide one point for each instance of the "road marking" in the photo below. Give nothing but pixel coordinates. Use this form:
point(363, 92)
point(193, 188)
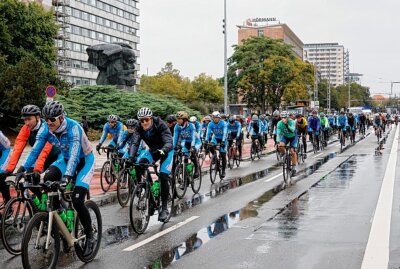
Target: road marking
point(377, 251)
point(317, 155)
point(272, 178)
point(157, 235)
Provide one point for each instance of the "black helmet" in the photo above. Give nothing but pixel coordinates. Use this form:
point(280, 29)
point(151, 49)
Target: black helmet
point(132, 123)
point(53, 109)
point(171, 118)
point(30, 110)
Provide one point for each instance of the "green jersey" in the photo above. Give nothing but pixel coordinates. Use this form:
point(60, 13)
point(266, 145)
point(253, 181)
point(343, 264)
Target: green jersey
point(287, 130)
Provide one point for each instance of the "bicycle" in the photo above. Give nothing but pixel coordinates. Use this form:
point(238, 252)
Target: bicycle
point(378, 133)
point(126, 182)
point(300, 149)
point(321, 140)
point(45, 231)
point(233, 155)
point(17, 213)
point(146, 199)
point(183, 174)
point(287, 166)
point(255, 150)
point(362, 129)
point(341, 139)
point(110, 169)
point(352, 134)
point(216, 162)
point(201, 154)
point(314, 142)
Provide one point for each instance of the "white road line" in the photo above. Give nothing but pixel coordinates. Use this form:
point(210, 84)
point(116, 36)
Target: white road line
point(272, 178)
point(377, 252)
point(317, 155)
point(157, 235)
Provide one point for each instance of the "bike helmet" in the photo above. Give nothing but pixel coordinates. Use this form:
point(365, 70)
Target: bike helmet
point(30, 110)
point(254, 117)
point(193, 119)
point(276, 113)
point(262, 117)
point(207, 118)
point(232, 118)
point(322, 114)
point(223, 116)
point(182, 115)
point(171, 118)
point(284, 114)
point(144, 112)
point(314, 112)
point(216, 114)
point(53, 109)
point(112, 118)
point(132, 123)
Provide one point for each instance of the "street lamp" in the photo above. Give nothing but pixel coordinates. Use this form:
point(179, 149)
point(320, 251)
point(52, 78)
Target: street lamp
point(225, 63)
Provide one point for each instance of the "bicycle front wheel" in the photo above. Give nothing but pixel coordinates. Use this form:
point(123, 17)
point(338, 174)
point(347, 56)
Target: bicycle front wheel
point(180, 181)
point(124, 186)
point(196, 182)
point(231, 154)
point(97, 229)
point(34, 252)
point(106, 176)
point(15, 218)
point(253, 151)
point(213, 169)
point(139, 209)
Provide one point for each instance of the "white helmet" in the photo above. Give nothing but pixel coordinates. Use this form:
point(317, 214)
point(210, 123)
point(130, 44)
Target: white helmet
point(207, 118)
point(216, 114)
point(193, 119)
point(254, 117)
point(112, 118)
point(284, 114)
point(144, 112)
point(276, 113)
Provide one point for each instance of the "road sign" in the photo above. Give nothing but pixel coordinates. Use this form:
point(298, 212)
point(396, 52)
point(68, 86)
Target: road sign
point(51, 91)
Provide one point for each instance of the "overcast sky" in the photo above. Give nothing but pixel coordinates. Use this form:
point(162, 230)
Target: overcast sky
point(188, 33)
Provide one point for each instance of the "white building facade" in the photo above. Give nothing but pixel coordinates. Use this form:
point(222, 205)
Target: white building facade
point(330, 59)
point(84, 23)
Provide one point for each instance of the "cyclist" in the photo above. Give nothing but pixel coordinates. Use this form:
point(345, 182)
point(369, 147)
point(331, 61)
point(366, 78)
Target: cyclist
point(113, 127)
point(155, 133)
point(378, 124)
point(273, 123)
point(4, 158)
point(171, 121)
point(314, 126)
point(302, 127)
point(197, 126)
point(363, 121)
point(286, 134)
point(332, 121)
point(255, 129)
point(235, 132)
point(383, 117)
point(75, 163)
point(264, 123)
point(224, 117)
point(219, 129)
point(132, 125)
point(352, 124)
point(33, 125)
point(204, 125)
point(342, 124)
point(324, 126)
point(185, 136)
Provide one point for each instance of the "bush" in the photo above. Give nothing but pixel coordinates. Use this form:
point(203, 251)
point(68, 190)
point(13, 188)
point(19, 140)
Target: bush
point(97, 102)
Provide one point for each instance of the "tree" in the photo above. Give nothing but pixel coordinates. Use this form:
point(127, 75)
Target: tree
point(207, 89)
point(262, 70)
point(360, 95)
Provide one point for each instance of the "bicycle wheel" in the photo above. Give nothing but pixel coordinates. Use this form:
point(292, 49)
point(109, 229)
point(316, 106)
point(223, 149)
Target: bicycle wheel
point(34, 252)
point(196, 182)
point(106, 176)
point(139, 209)
point(124, 187)
point(97, 229)
point(285, 169)
point(231, 156)
point(180, 177)
point(201, 156)
point(213, 169)
point(253, 150)
point(15, 218)
point(259, 150)
point(237, 158)
point(300, 152)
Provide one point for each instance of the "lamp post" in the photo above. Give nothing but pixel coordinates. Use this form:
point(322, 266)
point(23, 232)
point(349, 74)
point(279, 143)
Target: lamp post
point(225, 63)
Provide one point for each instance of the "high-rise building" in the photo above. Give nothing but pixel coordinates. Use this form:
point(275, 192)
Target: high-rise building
point(331, 59)
point(276, 31)
point(84, 23)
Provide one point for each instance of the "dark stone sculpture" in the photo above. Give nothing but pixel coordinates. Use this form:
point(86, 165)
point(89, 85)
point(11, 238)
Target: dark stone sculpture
point(116, 63)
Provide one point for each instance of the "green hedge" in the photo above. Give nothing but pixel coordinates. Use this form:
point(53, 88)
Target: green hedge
point(97, 102)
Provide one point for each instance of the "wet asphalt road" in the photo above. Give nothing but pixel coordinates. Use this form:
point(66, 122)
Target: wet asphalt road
point(322, 221)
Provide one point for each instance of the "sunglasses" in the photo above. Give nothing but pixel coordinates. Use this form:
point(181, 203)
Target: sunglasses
point(53, 119)
point(143, 120)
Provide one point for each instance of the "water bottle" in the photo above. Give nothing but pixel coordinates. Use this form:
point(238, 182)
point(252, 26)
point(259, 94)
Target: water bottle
point(70, 219)
point(116, 167)
point(133, 174)
point(155, 189)
point(36, 201)
point(189, 168)
point(69, 187)
point(63, 216)
point(43, 204)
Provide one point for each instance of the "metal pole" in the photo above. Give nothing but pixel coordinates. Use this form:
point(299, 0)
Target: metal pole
point(348, 73)
point(225, 64)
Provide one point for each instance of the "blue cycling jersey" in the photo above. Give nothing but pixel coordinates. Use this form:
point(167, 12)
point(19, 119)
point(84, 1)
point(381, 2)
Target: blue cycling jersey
point(314, 123)
point(220, 130)
point(255, 128)
point(116, 132)
point(5, 152)
point(265, 126)
point(69, 137)
point(342, 121)
point(235, 128)
point(4, 142)
point(185, 133)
